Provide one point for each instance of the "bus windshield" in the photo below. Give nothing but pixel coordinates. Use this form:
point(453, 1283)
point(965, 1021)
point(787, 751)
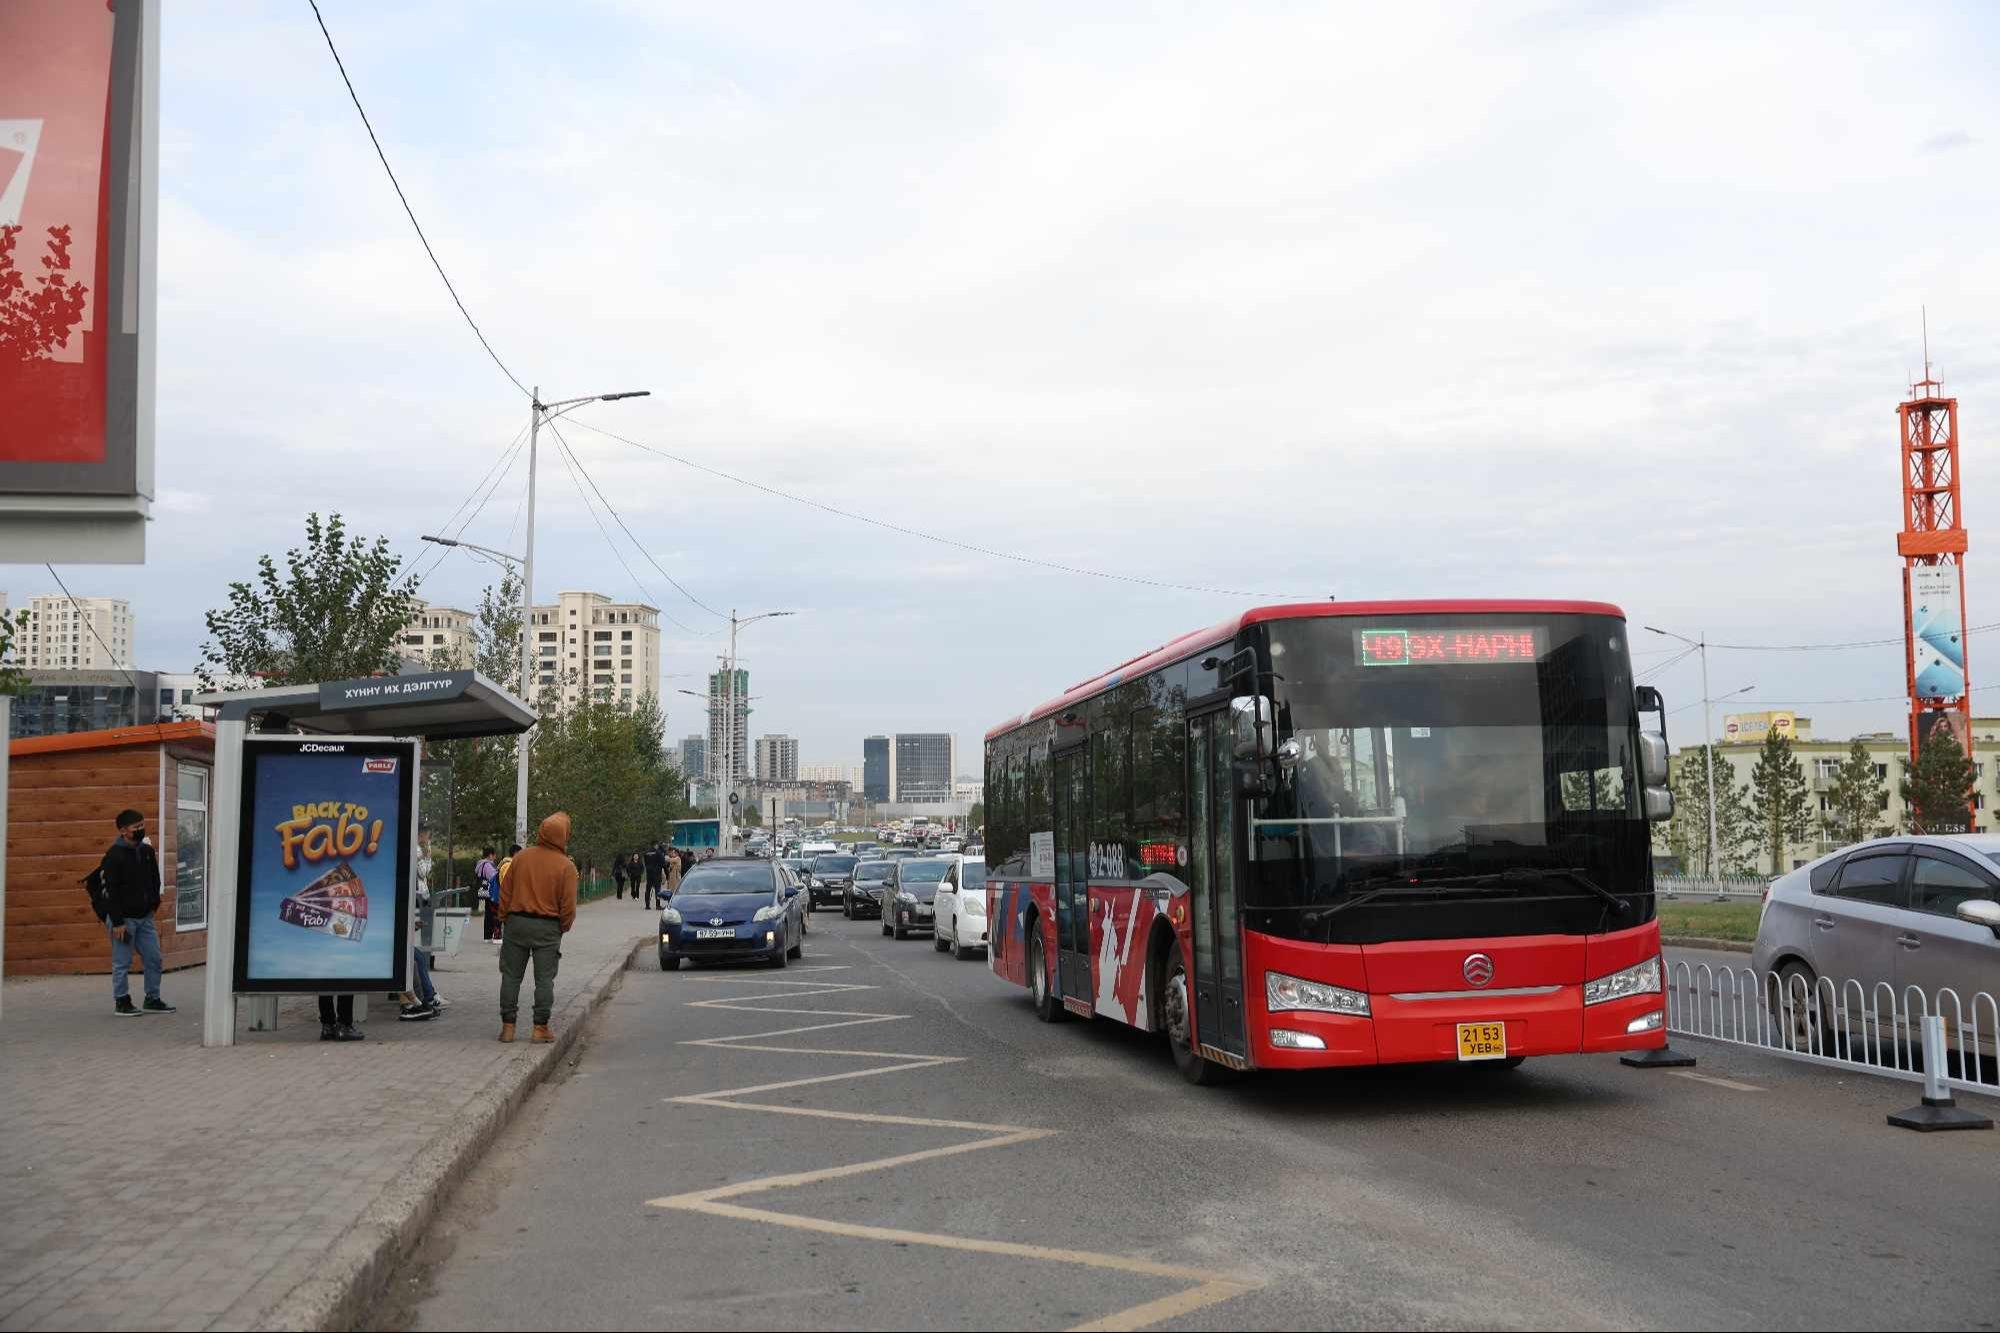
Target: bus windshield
point(1448, 776)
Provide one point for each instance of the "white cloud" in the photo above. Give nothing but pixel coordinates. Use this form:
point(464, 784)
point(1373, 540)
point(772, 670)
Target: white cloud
point(1605, 301)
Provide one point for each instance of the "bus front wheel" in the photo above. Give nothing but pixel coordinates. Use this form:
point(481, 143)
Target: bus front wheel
point(1195, 1067)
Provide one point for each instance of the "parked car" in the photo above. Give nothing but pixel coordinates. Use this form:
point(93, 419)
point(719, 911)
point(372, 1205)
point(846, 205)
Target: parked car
point(910, 910)
point(831, 874)
point(959, 923)
point(1917, 911)
point(874, 883)
point(734, 908)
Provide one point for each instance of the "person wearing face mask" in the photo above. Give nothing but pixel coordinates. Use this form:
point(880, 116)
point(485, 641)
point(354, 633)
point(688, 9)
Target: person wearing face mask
point(131, 896)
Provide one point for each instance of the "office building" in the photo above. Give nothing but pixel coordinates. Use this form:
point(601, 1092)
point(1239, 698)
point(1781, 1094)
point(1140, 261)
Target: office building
point(694, 758)
point(439, 636)
point(735, 741)
point(586, 643)
point(177, 690)
point(968, 789)
point(58, 702)
point(777, 758)
point(1821, 759)
point(922, 767)
point(823, 773)
point(88, 634)
point(878, 769)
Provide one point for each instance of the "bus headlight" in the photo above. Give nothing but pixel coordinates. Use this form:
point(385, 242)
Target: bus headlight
point(1283, 992)
point(1639, 979)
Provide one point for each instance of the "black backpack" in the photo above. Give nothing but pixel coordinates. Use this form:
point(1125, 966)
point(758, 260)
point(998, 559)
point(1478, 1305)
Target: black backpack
point(99, 892)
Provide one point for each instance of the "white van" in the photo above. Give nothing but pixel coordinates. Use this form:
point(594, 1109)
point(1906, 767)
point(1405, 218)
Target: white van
point(812, 849)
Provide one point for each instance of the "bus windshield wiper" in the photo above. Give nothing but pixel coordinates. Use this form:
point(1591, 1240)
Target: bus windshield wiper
point(1575, 875)
point(1430, 887)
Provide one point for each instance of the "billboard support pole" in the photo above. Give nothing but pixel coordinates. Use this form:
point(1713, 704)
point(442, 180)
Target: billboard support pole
point(1933, 536)
point(218, 1016)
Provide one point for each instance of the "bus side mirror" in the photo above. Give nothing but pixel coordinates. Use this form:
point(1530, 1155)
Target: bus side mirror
point(1250, 716)
point(1658, 798)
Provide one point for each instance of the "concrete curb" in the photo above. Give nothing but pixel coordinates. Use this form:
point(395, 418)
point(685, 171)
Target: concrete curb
point(1702, 942)
point(360, 1263)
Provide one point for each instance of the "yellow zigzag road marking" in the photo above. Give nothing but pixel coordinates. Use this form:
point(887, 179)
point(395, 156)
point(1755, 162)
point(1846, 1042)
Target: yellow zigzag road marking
point(1209, 1289)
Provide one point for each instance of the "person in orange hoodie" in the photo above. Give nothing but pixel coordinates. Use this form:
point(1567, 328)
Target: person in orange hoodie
point(537, 908)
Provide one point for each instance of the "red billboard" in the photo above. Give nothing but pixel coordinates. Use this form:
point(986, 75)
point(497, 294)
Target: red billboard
point(77, 186)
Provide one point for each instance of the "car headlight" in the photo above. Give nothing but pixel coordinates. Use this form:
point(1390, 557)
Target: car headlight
point(975, 905)
point(1283, 992)
point(1639, 979)
point(769, 912)
point(670, 916)
point(906, 897)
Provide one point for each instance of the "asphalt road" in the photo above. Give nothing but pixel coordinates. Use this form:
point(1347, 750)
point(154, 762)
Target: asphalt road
point(907, 1147)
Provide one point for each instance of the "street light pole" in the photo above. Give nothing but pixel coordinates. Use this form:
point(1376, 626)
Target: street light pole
point(724, 812)
point(538, 412)
point(1707, 738)
point(528, 672)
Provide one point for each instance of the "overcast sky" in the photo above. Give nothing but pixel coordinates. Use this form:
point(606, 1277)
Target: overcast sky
point(1609, 301)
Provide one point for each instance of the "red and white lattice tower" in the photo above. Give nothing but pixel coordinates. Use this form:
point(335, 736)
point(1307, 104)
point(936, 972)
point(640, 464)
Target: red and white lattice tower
point(1932, 544)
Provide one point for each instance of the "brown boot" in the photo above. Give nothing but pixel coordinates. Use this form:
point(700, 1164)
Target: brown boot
point(506, 1032)
point(541, 1033)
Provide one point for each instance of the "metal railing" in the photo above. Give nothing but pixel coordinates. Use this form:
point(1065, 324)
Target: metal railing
point(1874, 1029)
point(1724, 889)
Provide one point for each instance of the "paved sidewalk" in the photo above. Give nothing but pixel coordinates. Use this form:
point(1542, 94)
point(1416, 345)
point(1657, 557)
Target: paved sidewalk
point(148, 1182)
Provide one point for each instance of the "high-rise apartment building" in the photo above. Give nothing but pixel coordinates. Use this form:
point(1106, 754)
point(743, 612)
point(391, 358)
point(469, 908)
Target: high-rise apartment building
point(586, 643)
point(735, 740)
point(825, 773)
point(924, 764)
point(878, 769)
point(777, 758)
point(88, 634)
point(694, 758)
point(439, 635)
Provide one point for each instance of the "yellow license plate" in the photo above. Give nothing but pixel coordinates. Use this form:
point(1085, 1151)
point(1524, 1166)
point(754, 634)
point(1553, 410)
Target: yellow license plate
point(1482, 1041)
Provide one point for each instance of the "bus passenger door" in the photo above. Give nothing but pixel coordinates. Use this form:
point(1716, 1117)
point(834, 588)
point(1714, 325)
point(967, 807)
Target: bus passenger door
point(1071, 789)
point(1212, 884)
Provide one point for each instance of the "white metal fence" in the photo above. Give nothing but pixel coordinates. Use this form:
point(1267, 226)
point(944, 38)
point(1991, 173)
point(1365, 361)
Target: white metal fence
point(1875, 1029)
point(1727, 888)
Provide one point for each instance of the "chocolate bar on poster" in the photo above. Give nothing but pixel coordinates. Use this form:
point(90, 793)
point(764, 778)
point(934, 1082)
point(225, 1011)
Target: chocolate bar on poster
point(312, 916)
point(334, 881)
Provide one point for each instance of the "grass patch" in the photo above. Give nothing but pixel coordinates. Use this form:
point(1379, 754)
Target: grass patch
point(1714, 921)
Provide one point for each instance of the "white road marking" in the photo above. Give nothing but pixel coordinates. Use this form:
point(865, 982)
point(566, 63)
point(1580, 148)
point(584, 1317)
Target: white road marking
point(1713, 1081)
point(1209, 1288)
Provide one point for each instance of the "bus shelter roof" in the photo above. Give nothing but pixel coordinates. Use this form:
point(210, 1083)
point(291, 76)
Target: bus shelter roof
point(441, 705)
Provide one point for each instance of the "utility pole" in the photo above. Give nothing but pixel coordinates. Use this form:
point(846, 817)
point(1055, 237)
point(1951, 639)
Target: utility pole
point(1707, 736)
point(538, 412)
point(528, 666)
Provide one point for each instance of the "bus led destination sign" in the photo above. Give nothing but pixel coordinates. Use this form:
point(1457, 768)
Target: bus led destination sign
point(1472, 646)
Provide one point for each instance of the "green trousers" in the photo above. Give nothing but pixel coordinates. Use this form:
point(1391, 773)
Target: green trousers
point(522, 938)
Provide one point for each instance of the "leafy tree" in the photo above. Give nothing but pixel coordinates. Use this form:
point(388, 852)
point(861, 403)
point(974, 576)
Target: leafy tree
point(749, 816)
point(976, 820)
point(1855, 799)
point(13, 680)
point(1781, 799)
point(1938, 788)
point(337, 611)
point(1735, 825)
point(606, 764)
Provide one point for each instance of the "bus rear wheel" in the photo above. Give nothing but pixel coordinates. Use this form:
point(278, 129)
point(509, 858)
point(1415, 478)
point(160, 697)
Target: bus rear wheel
point(1047, 1007)
point(1195, 1067)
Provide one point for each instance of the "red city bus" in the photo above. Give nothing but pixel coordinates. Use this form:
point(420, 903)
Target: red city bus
point(1342, 833)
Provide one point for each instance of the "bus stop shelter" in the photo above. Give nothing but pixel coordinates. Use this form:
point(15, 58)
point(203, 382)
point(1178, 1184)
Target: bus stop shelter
point(444, 705)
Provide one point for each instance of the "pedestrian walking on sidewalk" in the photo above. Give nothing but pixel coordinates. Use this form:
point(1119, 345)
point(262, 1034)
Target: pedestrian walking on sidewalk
point(618, 863)
point(537, 908)
point(673, 884)
point(656, 871)
point(131, 876)
point(488, 874)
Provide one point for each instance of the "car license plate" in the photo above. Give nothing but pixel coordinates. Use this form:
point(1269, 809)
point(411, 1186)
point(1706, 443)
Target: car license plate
point(1482, 1041)
point(727, 933)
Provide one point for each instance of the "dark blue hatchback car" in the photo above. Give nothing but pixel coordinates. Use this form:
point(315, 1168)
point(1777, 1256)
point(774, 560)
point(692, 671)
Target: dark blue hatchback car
point(734, 909)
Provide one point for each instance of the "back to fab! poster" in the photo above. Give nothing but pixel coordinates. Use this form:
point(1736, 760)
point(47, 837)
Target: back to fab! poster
point(324, 894)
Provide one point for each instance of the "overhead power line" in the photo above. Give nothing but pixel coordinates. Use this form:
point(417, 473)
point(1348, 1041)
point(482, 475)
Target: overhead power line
point(953, 543)
point(497, 473)
point(1830, 647)
point(407, 210)
point(569, 465)
point(87, 619)
point(637, 544)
